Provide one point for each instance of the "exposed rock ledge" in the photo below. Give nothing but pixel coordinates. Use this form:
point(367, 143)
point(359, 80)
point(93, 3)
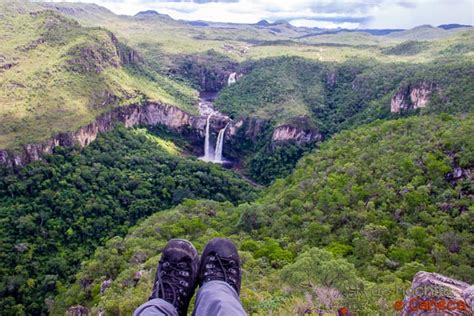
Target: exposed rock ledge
point(435, 294)
point(411, 97)
point(152, 113)
point(286, 133)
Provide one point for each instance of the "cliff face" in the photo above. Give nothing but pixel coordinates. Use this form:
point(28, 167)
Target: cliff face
point(151, 113)
point(252, 127)
point(411, 97)
point(286, 133)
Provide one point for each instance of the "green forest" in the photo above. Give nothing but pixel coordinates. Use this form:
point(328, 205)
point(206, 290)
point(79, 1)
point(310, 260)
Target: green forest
point(329, 98)
point(348, 157)
point(54, 213)
point(361, 214)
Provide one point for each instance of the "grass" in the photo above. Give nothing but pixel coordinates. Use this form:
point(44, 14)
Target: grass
point(167, 145)
point(63, 76)
point(164, 39)
point(52, 88)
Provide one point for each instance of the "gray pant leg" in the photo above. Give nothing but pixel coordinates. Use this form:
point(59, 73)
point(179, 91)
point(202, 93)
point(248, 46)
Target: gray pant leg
point(217, 298)
point(156, 307)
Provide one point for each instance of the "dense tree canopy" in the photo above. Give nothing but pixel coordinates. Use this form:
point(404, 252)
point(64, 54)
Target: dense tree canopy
point(328, 98)
point(372, 206)
point(55, 213)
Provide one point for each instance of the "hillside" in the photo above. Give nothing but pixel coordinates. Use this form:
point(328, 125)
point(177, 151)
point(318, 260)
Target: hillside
point(61, 67)
point(314, 98)
point(55, 213)
point(336, 96)
point(57, 76)
point(366, 211)
point(347, 157)
point(239, 42)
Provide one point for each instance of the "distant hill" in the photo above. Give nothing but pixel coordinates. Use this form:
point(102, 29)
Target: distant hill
point(147, 13)
point(263, 23)
point(198, 23)
point(423, 32)
point(181, 57)
point(452, 26)
point(151, 13)
point(60, 76)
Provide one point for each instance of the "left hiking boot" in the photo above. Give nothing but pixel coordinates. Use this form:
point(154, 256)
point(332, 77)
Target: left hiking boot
point(176, 276)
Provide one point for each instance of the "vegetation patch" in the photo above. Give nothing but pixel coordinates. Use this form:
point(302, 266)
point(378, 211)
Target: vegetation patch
point(55, 213)
point(361, 214)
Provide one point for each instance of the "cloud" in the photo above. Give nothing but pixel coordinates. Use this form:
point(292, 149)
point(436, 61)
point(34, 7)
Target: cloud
point(347, 7)
point(332, 13)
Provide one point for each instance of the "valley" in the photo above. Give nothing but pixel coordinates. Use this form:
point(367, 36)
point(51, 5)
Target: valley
point(334, 158)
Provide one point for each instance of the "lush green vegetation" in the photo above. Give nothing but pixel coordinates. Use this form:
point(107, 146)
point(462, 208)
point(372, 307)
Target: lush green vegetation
point(359, 215)
point(57, 76)
point(338, 96)
point(376, 202)
point(55, 213)
point(271, 162)
point(407, 48)
point(329, 98)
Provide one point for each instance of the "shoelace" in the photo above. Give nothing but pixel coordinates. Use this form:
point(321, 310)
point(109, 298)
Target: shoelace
point(168, 277)
point(226, 265)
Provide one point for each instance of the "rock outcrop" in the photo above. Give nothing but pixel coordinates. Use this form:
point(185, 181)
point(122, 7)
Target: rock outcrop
point(435, 294)
point(285, 133)
point(78, 310)
point(411, 97)
point(251, 128)
point(152, 113)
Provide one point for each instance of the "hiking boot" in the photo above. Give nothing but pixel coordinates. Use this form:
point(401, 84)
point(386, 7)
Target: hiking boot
point(220, 262)
point(176, 276)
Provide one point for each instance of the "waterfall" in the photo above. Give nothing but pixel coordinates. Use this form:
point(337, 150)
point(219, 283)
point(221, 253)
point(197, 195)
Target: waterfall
point(209, 153)
point(220, 145)
point(207, 143)
point(232, 78)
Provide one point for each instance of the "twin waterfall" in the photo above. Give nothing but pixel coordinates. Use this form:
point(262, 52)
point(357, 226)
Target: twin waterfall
point(206, 108)
point(209, 155)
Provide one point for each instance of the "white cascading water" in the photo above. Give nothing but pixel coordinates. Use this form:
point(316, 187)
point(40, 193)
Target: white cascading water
point(232, 78)
point(220, 145)
point(207, 143)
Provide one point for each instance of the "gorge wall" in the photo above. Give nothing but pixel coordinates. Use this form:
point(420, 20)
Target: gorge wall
point(286, 133)
point(149, 114)
point(152, 113)
point(411, 97)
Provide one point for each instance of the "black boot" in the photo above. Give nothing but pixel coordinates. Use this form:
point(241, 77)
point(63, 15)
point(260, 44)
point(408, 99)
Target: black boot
point(176, 276)
point(220, 261)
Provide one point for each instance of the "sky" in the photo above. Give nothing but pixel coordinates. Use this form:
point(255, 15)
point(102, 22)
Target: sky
point(315, 13)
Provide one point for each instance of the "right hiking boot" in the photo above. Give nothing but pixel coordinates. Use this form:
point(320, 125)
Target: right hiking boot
point(177, 273)
point(220, 261)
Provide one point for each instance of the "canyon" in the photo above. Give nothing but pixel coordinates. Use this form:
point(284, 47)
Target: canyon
point(148, 114)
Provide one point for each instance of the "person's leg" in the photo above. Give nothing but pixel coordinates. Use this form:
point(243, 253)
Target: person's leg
point(156, 307)
point(175, 281)
point(219, 279)
point(217, 298)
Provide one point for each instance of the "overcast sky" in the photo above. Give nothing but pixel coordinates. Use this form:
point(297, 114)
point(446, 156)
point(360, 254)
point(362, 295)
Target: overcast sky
point(320, 13)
